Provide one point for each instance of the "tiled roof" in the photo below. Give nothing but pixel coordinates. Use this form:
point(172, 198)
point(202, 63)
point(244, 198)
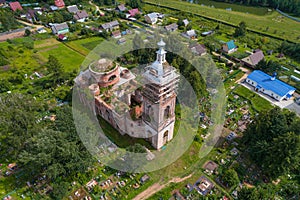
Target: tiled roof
point(133, 12)
point(171, 27)
point(198, 49)
point(110, 24)
point(61, 26)
point(152, 15)
point(15, 6)
point(264, 80)
point(72, 9)
point(256, 57)
point(121, 7)
point(59, 3)
point(81, 14)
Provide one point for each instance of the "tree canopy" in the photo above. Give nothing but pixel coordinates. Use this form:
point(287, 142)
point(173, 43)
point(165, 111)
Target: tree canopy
point(273, 140)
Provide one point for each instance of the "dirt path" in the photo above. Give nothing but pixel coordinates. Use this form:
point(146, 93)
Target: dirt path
point(32, 25)
point(156, 187)
point(247, 72)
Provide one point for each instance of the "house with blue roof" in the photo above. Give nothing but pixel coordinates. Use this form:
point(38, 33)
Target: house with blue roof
point(270, 85)
point(229, 47)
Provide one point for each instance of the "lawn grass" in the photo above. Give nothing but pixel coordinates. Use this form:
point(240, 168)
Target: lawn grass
point(258, 103)
point(45, 43)
point(69, 58)
point(271, 23)
point(84, 46)
point(235, 7)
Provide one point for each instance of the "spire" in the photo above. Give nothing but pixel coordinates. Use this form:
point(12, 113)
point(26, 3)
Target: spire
point(161, 53)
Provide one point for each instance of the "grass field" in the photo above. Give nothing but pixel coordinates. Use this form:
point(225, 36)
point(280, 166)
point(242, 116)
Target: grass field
point(234, 7)
point(84, 46)
point(258, 103)
point(67, 57)
point(272, 23)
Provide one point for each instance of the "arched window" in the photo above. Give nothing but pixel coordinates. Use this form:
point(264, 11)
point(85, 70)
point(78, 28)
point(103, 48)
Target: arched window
point(167, 112)
point(112, 78)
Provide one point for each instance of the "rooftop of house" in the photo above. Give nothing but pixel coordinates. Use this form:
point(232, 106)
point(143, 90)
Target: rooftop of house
point(198, 48)
point(121, 7)
point(60, 26)
point(264, 80)
point(134, 12)
point(254, 58)
point(15, 6)
point(110, 24)
point(81, 14)
point(230, 44)
point(210, 165)
point(172, 26)
point(59, 3)
point(152, 15)
point(191, 33)
point(72, 9)
point(186, 22)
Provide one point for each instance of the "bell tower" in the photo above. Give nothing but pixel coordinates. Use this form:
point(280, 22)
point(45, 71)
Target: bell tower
point(159, 99)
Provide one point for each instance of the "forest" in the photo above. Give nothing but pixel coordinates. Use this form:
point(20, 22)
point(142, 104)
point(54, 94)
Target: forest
point(290, 6)
point(273, 142)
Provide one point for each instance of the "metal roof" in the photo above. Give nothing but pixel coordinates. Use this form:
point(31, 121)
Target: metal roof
point(230, 45)
point(264, 80)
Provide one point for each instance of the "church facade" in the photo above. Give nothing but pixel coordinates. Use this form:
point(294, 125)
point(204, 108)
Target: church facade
point(141, 107)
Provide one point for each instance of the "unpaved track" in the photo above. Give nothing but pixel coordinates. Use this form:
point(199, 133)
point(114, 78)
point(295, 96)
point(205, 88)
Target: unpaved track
point(156, 187)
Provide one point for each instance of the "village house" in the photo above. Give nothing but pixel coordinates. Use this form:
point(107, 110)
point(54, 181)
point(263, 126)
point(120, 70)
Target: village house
point(110, 26)
point(185, 22)
point(59, 3)
point(72, 9)
point(60, 28)
point(254, 58)
point(270, 85)
point(151, 18)
point(203, 185)
point(53, 8)
point(229, 47)
point(133, 12)
point(198, 49)
point(2, 2)
point(210, 166)
point(116, 34)
point(171, 27)
point(14, 6)
point(81, 16)
point(121, 8)
point(62, 37)
point(191, 34)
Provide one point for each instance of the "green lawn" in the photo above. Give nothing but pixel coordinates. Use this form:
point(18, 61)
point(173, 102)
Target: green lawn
point(69, 58)
point(235, 7)
point(84, 46)
point(273, 22)
point(258, 103)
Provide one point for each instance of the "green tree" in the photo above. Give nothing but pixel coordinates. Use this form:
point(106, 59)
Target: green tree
point(230, 178)
point(55, 68)
point(240, 30)
point(135, 3)
point(27, 32)
point(272, 144)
